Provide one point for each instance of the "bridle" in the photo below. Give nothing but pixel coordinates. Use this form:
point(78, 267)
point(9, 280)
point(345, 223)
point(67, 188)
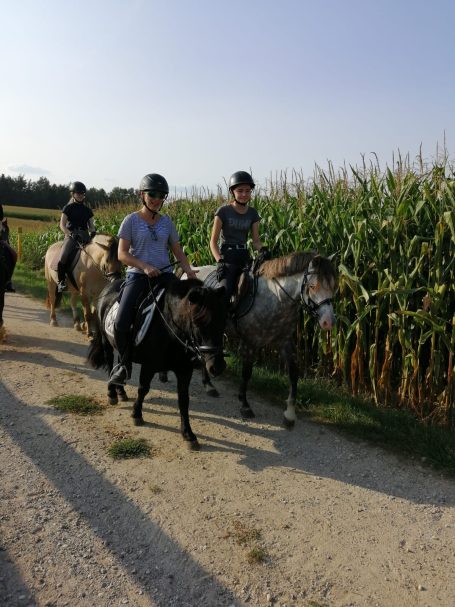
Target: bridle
point(309, 306)
point(111, 276)
point(190, 344)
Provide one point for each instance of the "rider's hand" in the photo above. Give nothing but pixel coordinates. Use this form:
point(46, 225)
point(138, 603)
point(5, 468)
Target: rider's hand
point(192, 273)
point(151, 271)
point(264, 254)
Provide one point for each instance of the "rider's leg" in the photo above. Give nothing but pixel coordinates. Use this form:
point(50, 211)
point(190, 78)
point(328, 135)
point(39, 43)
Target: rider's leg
point(68, 249)
point(133, 289)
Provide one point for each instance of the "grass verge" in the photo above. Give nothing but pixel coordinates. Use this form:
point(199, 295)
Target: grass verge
point(396, 430)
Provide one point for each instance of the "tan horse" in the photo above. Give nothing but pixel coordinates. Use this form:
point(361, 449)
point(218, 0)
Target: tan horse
point(97, 265)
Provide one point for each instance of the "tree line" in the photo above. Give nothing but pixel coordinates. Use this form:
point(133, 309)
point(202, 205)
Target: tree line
point(42, 194)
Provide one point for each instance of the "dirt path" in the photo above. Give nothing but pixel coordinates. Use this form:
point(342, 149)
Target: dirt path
point(340, 523)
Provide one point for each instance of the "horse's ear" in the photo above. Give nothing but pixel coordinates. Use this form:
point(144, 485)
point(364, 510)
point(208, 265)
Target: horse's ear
point(195, 295)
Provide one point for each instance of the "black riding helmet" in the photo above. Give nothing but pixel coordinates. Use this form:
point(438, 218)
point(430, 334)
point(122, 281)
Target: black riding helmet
point(154, 182)
point(77, 187)
point(241, 178)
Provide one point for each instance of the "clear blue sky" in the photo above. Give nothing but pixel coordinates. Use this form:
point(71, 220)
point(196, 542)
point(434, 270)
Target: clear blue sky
point(107, 91)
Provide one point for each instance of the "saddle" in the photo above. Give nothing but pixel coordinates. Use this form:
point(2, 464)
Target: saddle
point(245, 293)
point(144, 315)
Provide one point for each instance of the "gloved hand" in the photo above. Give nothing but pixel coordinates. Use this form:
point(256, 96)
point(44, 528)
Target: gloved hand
point(264, 254)
point(220, 269)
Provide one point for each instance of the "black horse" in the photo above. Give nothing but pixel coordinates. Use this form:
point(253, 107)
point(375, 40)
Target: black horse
point(187, 328)
point(6, 269)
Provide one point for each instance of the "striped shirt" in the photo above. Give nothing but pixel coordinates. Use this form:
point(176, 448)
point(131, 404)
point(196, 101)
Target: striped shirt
point(149, 243)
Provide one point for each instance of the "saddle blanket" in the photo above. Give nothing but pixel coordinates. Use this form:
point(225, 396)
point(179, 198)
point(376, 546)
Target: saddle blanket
point(143, 319)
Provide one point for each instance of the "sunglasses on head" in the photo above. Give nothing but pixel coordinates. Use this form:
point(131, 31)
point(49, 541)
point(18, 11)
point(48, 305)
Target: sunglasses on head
point(155, 194)
point(152, 232)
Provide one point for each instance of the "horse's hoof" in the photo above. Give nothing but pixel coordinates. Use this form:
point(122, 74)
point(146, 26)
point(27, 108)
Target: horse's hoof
point(287, 423)
point(138, 421)
point(124, 397)
point(112, 400)
point(247, 413)
point(53, 323)
point(77, 327)
point(193, 445)
point(213, 392)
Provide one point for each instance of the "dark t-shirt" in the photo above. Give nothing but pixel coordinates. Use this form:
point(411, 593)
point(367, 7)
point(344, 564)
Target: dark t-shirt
point(78, 216)
point(236, 227)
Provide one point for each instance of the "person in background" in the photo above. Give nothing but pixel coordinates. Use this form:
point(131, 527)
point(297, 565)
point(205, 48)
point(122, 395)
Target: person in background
point(4, 241)
point(232, 226)
point(145, 238)
point(78, 225)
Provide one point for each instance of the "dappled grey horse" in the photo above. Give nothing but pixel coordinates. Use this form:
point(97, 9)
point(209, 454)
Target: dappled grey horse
point(283, 286)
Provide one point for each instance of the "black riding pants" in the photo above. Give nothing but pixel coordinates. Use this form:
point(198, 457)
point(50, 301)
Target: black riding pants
point(69, 250)
point(235, 261)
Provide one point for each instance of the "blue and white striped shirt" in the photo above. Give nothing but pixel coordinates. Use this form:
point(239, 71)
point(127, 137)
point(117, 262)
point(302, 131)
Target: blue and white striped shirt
point(149, 243)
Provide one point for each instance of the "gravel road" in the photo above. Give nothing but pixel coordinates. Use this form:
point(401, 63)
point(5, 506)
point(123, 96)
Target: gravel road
point(260, 516)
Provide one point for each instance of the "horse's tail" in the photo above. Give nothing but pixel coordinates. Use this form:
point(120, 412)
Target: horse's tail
point(97, 353)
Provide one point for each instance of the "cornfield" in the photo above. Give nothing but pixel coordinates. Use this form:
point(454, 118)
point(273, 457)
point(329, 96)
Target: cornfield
point(393, 233)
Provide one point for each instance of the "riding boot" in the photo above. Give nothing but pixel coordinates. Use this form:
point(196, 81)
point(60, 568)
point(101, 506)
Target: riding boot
point(122, 371)
point(61, 273)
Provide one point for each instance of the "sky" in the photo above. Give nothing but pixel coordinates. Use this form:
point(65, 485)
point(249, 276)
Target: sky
point(106, 91)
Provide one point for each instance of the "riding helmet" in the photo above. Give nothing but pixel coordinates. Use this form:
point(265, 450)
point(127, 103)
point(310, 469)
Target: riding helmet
point(154, 182)
point(78, 187)
point(240, 178)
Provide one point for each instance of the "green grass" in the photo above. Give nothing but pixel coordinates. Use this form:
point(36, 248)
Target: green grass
point(127, 448)
point(32, 283)
point(73, 403)
point(396, 430)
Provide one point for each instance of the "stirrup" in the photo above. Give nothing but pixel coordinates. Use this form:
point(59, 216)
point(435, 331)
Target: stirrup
point(119, 375)
point(61, 286)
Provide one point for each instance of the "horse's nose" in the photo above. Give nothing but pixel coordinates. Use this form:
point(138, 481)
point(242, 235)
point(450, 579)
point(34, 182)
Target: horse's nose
point(327, 322)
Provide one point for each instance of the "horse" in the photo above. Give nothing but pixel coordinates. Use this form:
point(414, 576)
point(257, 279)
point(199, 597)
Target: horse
point(268, 314)
point(96, 265)
point(186, 328)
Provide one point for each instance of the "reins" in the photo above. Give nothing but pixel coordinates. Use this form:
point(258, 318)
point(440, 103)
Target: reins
point(190, 345)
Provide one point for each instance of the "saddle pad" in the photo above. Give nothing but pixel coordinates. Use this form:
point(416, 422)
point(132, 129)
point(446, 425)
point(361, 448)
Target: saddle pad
point(143, 319)
point(109, 322)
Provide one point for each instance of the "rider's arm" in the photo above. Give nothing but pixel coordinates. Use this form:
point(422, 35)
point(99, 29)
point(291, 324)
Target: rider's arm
point(63, 222)
point(216, 230)
point(126, 258)
point(183, 260)
point(257, 243)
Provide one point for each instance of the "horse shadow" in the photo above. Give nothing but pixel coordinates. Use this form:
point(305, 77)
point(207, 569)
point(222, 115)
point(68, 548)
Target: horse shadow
point(309, 449)
point(109, 513)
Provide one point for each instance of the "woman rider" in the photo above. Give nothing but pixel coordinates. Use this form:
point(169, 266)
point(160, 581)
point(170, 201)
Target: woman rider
point(76, 223)
point(145, 238)
point(232, 225)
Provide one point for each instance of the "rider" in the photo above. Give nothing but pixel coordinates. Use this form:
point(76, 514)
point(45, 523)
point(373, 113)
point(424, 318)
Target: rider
point(78, 226)
point(4, 240)
point(145, 238)
point(232, 225)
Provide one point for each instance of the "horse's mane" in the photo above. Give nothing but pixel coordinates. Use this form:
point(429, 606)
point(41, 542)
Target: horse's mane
point(181, 287)
point(109, 241)
point(296, 263)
